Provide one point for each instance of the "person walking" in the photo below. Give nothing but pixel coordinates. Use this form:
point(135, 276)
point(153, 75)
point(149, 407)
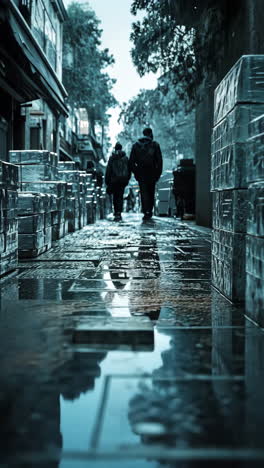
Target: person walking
point(116, 178)
point(131, 200)
point(146, 164)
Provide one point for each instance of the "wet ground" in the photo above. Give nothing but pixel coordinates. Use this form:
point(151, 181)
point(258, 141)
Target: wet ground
point(116, 352)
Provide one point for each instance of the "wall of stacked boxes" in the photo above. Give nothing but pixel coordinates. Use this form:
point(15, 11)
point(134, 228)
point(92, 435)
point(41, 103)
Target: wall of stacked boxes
point(41, 201)
point(255, 225)
point(237, 176)
point(8, 217)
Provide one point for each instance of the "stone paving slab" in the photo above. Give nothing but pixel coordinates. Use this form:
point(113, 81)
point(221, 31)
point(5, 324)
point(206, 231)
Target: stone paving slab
point(116, 285)
point(113, 330)
point(51, 273)
point(65, 257)
point(176, 360)
point(194, 389)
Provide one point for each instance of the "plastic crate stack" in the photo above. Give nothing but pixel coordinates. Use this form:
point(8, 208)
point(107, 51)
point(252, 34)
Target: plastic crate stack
point(9, 179)
point(255, 225)
point(239, 100)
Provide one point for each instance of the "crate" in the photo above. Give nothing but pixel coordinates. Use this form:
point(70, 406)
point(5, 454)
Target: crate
point(243, 84)
point(230, 210)
point(228, 264)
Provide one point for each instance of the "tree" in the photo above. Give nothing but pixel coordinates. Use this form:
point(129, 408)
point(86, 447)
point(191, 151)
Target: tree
point(84, 63)
point(162, 110)
point(181, 37)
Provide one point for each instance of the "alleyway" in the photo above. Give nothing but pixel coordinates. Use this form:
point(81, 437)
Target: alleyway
point(116, 352)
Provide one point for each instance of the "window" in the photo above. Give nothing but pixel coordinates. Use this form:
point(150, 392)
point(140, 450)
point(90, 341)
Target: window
point(44, 26)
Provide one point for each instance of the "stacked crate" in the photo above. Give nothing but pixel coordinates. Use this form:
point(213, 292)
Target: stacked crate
point(57, 203)
point(255, 225)
point(9, 179)
point(59, 221)
point(239, 100)
point(50, 206)
point(35, 165)
point(90, 199)
point(72, 196)
point(103, 208)
point(72, 207)
point(31, 224)
point(66, 166)
point(83, 199)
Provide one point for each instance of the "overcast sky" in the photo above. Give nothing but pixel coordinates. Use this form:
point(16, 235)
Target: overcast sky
point(116, 24)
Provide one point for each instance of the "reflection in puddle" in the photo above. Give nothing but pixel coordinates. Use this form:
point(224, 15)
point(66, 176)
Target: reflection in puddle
point(79, 416)
point(177, 395)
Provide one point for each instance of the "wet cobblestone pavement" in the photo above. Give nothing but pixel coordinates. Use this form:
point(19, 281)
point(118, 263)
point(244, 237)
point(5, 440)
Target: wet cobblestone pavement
point(80, 387)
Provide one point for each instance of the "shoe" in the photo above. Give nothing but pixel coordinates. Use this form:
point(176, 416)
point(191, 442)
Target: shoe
point(118, 217)
point(147, 216)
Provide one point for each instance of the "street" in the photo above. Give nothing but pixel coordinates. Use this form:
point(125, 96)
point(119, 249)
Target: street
point(116, 351)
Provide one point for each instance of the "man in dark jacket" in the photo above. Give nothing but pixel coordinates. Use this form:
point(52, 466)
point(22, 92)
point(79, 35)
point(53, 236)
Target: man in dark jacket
point(116, 178)
point(146, 164)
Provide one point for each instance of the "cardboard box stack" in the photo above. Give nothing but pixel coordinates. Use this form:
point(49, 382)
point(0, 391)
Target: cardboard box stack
point(90, 200)
point(103, 207)
point(255, 225)
point(50, 206)
point(31, 224)
point(39, 177)
point(35, 165)
point(56, 206)
point(81, 199)
point(9, 180)
point(72, 196)
point(66, 166)
point(239, 100)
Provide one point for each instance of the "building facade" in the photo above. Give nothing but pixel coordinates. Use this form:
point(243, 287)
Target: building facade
point(32, 97)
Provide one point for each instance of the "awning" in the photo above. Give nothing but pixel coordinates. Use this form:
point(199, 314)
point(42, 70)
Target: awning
point(53, 90)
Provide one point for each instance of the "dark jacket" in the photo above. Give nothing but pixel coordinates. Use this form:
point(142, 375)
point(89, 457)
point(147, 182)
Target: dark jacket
point(146, 160)
point(111, 177)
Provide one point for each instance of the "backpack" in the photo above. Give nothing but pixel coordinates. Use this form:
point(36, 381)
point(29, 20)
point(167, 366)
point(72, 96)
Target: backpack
point(120, 171)
point(146, 156)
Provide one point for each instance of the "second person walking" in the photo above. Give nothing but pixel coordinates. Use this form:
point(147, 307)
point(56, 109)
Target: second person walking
point(116, 178)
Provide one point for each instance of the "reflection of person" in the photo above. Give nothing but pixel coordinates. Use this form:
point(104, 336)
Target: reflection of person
point(149, 301)
point(116, 178)
point(146, 164)
point(119, 278)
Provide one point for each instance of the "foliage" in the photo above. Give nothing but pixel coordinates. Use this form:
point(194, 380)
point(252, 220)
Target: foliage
point(160, 109)
point(84, 63)
point(164, 42)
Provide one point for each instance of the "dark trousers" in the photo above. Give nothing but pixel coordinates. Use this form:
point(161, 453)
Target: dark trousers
point(147, 192)
point(118, 194)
